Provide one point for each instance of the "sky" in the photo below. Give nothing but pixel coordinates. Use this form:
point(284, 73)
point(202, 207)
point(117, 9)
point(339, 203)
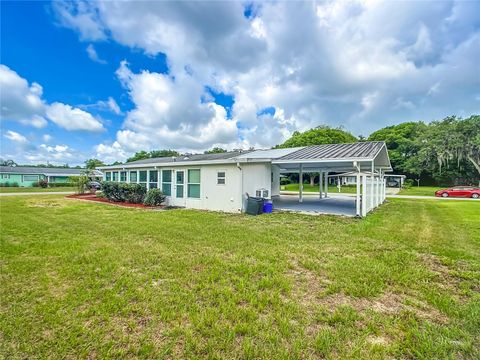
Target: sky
point(103, 80)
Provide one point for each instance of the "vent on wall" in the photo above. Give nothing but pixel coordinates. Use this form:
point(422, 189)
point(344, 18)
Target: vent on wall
point(263, 193)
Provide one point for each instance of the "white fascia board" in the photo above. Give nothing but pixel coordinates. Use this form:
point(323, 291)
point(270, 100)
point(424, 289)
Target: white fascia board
point(180, 164)
point(315, 161)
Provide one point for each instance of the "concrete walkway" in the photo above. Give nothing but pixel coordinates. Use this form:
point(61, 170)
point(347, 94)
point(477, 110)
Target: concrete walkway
point(312, 205)
point(38, 193)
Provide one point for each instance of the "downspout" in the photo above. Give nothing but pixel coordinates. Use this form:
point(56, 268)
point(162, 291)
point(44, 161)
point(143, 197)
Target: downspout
point(241, 187)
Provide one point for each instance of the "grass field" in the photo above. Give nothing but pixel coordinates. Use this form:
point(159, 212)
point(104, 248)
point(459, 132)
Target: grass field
point(83, 280)
point(420, 190)
point(309, 188)
point(35, 189)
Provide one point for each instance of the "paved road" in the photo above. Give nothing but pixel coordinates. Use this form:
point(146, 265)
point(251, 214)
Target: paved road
point(429, 197)
point(333, 195)
point(38, 193)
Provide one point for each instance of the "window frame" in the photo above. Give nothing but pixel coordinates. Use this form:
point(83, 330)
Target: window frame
point(150, 182)
point(163, 182)
point(224, 177)
point(120, 176)
point(36, 177)
point(115, 176)
point(192, 183)
point(130, 176)
point(108, 176)
point(140, 181)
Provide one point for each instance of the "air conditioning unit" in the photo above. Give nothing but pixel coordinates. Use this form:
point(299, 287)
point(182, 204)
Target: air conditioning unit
point(263, 193)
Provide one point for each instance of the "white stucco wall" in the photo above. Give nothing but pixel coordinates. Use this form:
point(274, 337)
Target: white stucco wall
point(227, 197)
point(213, 196)
point(275, 180)
point(256, 176)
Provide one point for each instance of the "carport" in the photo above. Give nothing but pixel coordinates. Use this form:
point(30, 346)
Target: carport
point(368, 160)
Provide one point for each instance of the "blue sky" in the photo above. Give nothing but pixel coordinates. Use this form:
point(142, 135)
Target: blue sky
point(106, 79)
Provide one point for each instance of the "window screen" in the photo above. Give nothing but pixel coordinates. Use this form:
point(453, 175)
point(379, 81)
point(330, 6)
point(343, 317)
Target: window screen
point(193, 188)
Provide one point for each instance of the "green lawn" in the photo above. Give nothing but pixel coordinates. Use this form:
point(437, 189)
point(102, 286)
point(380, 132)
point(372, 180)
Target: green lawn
point(308, 188)
point(81, 280)
point(420, 190)
point(35, 189)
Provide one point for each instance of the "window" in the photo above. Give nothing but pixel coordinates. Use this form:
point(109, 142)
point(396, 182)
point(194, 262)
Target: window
point(153, 179)
point(180, 183)
point(115, 176)
point(123, 176)
point(142, 177)
point(220, 177)
point(5, 176)
point(193, 187)
point(108, 176)
point(133, 176)
point(30, 177)
point(167, 182)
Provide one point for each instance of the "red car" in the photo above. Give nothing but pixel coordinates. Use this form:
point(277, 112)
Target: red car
point(460, 191)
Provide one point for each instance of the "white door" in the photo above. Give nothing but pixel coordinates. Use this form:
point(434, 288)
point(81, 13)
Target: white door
point(179, 188)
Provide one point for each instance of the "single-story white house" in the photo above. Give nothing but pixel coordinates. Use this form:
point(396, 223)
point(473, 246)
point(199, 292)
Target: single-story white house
point(223, 181)
point(350, 178)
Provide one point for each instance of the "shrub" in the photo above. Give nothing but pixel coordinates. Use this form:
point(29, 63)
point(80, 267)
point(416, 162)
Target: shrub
point(14, 184)
point(134, 193)
point(154, 197)
point(43, 183)
point(5, 184)
point(99, 194)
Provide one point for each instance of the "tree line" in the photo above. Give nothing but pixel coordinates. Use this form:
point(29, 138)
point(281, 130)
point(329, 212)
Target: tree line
point(443, 152)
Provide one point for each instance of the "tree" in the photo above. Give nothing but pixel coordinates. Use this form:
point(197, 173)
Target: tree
point(318, 136)
point(215, 150)
point(7, 163)
point(93, 163)
point(163, 153)
point(451, 149)
point(403, 143)
point(139, 155)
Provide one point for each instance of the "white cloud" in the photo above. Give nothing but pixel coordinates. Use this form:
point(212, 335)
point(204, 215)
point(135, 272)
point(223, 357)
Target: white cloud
point(47, 137)
point(57, 154)
point(169, 113)
point(113, 106)
point(80, 16)
point(92, 54)
point(16, 137)
point(71, 118)
point(20, 101)
point(337, 63)
point(23, 103)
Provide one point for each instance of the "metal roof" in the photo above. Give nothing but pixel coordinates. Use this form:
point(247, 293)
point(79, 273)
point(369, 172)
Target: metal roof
point(268, 153)
point(51, 171)
point(192, 157)
point(360, 150)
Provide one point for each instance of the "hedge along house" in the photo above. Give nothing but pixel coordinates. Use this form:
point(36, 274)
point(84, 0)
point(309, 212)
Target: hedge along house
point(222, 181)
point(27, 176)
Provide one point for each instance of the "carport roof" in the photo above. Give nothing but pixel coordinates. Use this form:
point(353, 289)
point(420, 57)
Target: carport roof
point(361, 150)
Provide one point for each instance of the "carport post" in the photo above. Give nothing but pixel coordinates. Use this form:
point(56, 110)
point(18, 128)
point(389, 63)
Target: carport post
point(358, 210)
point(364, 195)
point(320, 183)
point(372, 194)
point(326, 184)
point(300, 184)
